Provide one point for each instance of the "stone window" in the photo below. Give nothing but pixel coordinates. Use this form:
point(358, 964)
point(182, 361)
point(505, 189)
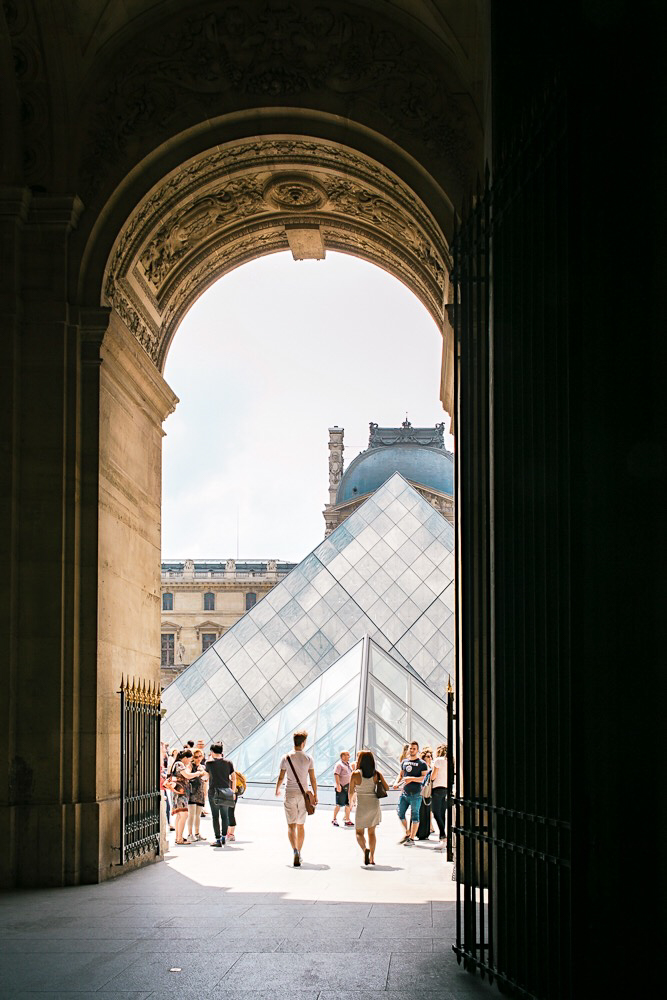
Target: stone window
point(167, 602)
point(167, 658)
point(209, 602)
point(207, 639)
point(250, 601)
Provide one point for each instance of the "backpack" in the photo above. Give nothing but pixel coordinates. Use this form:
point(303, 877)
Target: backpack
point(241, 783)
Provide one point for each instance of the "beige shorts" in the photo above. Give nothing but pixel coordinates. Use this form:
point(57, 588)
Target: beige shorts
point(295, 808)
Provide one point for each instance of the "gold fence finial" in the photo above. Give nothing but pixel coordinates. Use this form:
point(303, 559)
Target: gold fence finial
point(450, 689)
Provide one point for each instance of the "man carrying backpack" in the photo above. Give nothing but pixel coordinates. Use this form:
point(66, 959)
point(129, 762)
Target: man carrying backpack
point(221, 776)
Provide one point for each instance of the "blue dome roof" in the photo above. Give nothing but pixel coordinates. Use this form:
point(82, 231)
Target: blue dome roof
point(430, 467)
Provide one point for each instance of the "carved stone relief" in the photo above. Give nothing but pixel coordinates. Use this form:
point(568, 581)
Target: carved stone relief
point(226, 55)
point(30, 74)
point(232, 205)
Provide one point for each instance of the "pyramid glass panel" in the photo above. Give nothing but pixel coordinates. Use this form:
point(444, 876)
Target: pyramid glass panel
point(330, 708)
point(329, 702)
point(386, 573)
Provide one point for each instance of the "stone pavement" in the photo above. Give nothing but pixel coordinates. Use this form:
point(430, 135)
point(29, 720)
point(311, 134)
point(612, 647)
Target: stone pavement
point(240, 923)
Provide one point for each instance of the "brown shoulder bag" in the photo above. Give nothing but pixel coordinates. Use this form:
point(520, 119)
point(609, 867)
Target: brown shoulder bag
point(308, 797)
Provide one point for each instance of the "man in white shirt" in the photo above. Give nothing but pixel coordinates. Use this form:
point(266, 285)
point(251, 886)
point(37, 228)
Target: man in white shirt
point(299, 768)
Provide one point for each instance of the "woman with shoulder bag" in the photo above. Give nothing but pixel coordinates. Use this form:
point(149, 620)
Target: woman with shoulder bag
point(178, 784)
point(197, 776)
point(369, 785)
point(424, 828)
point(440, 791)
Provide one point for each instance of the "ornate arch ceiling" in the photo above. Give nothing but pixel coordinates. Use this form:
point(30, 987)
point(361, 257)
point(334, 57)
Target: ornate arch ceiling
point(256, 197)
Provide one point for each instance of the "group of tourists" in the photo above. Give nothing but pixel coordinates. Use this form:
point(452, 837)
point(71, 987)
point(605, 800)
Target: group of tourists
point(191, 778)
point(423, 781)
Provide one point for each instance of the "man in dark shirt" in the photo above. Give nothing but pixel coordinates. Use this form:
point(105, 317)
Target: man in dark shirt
point(221, 775)
point(413, 771)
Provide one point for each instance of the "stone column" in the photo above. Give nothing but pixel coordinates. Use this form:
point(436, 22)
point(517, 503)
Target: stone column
point(134, 400)
point(14, 204)
point(41, 368)
point(80, 453)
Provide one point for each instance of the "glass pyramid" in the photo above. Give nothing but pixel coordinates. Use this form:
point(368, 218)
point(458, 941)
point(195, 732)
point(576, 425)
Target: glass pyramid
point(387, 572)
point(364, 699)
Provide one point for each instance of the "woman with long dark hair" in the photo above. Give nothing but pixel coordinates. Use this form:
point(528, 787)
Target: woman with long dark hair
point(441, 791)
point(197, 776)
point(180, 794)
point(425, 822)
point(368, 815)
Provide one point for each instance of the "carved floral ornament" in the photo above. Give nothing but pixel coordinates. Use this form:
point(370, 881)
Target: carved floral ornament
point(231, 206)
point(208, 55)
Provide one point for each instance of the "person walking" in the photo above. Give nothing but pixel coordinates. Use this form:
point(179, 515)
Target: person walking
point(342, 775)
point(299, 768)
point(441, 792)
point(165, 763)
point(198, 777)
point(368, 815)
point(413, 770)
point(425, 822)
point(241, 785)
point(202, 746)
point(180, 794)
point(221, 775)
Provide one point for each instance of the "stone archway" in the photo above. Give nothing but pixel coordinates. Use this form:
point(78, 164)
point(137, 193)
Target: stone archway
point(204, 134)
point(260, 196)
point(225, 206)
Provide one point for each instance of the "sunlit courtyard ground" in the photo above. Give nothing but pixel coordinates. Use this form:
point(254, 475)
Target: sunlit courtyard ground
point(241, 922)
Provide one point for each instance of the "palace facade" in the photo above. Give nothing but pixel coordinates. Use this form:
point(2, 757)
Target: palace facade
point(202, 598)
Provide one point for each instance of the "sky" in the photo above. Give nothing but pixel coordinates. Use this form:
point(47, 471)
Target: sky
point(265, 361)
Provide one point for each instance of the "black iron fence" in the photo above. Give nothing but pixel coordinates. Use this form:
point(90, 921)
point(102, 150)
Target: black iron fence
point(139, 769)
point(512, 802)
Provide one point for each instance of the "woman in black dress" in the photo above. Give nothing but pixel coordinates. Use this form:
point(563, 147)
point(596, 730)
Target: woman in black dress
point(424, 828)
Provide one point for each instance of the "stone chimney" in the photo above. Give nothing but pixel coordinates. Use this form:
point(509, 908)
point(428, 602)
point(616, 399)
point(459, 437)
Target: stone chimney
point(336, 449)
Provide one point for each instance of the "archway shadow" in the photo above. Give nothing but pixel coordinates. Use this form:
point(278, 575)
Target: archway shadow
point(127, 934)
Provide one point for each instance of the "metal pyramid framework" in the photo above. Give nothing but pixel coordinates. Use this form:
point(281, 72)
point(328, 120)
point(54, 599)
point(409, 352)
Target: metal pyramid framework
point(387, 573)
point(363, 699)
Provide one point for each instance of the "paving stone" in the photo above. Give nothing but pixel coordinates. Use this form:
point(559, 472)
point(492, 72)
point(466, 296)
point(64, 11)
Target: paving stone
point(243, 927)
point(333, 944)
point(58, 972)
point(443, 994)
point(151, 972)
point(220, 992)
point(304, 972)
point(97, 995)
point(57, 945)
point(204, 943)
point(317, 929)
point(432, 972)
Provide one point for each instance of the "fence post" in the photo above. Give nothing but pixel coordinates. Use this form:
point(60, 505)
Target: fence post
point(450, 769)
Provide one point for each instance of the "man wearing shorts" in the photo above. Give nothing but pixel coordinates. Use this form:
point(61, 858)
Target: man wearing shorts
point(342, 775)
point(295, 806)
point(413, 770)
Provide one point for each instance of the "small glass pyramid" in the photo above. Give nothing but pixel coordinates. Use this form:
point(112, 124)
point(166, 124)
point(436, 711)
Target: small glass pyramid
point(387, 572)
point(363, 699)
